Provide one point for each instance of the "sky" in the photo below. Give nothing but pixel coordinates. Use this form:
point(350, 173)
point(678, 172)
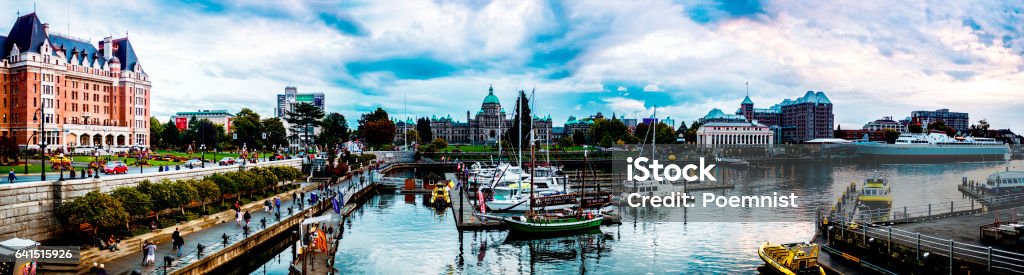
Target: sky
point(422, 58)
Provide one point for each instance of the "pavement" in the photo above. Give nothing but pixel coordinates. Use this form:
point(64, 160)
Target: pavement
point(209, 237)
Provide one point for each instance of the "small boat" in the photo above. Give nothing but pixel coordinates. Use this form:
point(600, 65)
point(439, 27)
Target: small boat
point(439, 196)
point(791, 259)
point(553, 223)
point(874, 194)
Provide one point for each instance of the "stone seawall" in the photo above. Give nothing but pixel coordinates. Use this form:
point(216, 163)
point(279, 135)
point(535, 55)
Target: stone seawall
point(27, 210)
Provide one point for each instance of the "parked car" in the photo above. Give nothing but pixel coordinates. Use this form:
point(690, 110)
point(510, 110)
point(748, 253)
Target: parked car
point(194, 163)
point(115, 167)
point(226, 161)
point(278, 156)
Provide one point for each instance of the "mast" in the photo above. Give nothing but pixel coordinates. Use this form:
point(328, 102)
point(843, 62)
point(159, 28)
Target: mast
point(654, 133)
point(533, 161)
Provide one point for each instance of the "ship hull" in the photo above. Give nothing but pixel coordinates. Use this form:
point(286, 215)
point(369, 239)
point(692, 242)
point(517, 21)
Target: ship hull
point(932, 153)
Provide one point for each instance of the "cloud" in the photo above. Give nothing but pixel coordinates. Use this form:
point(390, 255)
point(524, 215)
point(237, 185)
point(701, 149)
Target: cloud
point(651, 88)
point(582, 57)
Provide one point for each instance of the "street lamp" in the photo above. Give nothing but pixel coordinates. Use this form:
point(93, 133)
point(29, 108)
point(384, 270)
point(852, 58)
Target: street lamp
point(42, 142)
point(202, 148)
point(96, 158)
point(264, 143)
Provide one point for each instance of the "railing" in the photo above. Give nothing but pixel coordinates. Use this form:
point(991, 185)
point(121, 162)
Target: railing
point(926, 246)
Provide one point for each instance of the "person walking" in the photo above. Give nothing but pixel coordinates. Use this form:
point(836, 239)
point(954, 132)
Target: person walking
point(238, 217)
point(150, 253)
point(179, 242)
point(145, 253)
point(11, 177)
point(247, 217)
point(277, 204)
point(266, 205)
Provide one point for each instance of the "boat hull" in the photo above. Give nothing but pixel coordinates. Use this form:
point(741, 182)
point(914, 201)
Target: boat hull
point(778, 268)
point(931, 153)
point(519, 226)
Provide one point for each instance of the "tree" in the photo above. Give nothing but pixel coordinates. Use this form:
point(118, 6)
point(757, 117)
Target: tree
point(247, 127)
point(691, 134)
point(890, 135)
point(155, 131)
point(376, 128)
point(522, 120)
point(184, 194)
point(276, 134)
point(8, 149)
point(613, 128)
point(95, 208)
point(333, 132)
point(203, 131)
point(206, 190)
point(225, 184)
point(980, 129)
point(302, 118)
point(423, 128)
point(134, 201)
point(170, 137)
point(565, 142)
point(579, 138)
point(162, 195)
point(915, 128)
point(439, 144)
point(940, 125)
point(412, 135)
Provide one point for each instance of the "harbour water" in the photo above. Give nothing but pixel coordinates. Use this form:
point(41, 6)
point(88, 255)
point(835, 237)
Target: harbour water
point(399, 234)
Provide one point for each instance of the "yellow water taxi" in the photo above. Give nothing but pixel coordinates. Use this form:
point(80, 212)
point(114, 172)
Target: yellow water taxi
point(439, 196)
point(791, 259)
point(875, 194)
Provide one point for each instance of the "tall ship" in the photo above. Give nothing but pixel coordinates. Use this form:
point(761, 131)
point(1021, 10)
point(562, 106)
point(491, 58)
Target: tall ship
point(935, 146)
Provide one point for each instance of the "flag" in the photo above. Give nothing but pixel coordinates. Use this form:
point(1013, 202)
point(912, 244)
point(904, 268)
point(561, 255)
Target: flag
point(321, 240)
point(334, 201)
point(480, 198)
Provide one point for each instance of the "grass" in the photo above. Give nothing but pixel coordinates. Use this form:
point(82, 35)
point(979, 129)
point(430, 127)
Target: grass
point(20, 169)
point(209, 155)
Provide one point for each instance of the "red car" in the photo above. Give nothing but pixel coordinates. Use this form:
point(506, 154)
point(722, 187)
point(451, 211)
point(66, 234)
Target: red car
point(227, 161)
point(115, 167)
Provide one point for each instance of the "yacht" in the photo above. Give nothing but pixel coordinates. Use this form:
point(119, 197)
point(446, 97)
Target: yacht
point(936, 146)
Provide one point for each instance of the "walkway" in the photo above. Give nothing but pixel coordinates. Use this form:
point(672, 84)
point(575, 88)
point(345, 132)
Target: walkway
point(210, 237)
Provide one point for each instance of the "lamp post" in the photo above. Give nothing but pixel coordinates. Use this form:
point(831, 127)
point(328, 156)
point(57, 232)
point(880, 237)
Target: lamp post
point(264, 143)
point(202, 149)
point(42, 142)
point(96, 158)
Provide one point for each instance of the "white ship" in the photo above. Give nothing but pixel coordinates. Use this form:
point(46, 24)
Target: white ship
point(936, 146)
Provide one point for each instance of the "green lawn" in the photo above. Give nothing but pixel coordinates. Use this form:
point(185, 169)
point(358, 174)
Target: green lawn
point(209, 154)
point(20, 169)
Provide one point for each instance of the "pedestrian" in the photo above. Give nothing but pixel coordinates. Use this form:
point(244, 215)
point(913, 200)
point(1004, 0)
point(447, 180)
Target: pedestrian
point(151, 253)
point(180, 243)
point(247, 217)
point(72, 173)
point(90, 173)
point(11, 177)
point(238, 217)
point(266, 205)
point(277, 203)
point(174, 238)
point(112, 242)
point(145, 253)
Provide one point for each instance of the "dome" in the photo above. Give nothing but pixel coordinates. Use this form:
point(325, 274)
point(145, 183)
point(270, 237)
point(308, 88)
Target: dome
point(491, 98)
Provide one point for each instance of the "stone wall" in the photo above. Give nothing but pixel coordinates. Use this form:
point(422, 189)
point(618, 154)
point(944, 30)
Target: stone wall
point(27, 209)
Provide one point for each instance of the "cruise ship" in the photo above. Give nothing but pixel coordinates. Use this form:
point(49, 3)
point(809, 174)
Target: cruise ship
point(935, 146)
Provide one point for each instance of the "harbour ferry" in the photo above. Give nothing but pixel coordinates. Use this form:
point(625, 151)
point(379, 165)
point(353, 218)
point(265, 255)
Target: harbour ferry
point(1004, 182)
point(935, 146)
point(791, 259)
point(874, 194)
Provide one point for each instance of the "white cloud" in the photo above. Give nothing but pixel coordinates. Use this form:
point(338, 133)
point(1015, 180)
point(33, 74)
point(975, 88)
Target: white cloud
point(622, 89)
point(651, 88)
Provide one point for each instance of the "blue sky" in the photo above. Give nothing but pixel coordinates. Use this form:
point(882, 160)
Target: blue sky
point(872, 58)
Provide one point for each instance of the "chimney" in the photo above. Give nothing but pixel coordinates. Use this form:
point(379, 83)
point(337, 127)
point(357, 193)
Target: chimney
point(108, 48)
point(46, 28)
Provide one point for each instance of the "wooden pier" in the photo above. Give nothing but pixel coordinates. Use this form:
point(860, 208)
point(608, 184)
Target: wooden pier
point(464, 211)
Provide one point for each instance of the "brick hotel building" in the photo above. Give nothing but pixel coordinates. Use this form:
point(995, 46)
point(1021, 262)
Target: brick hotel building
point(88, 95)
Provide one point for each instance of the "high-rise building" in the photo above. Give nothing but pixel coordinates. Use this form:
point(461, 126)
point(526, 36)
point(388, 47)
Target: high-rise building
point(956, 120)
point(794, 120)
point(79, 94)
point(286, 103)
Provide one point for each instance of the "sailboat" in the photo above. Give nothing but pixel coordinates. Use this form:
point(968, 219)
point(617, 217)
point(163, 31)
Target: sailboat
point(652, 187)
point(568, 221)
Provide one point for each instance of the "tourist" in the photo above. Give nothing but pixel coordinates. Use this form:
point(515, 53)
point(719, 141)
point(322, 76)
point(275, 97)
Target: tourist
point(266, 205)
point(145, 253)
point(238, 217)
point(174, 238)
point(152, 225)
point(247, 217)
point(102, 270)
point(95, 268)
point(179, 242)
point(112, 242)
point(72, 173)
point(277, 203)
point(11, 177)
point(151, 253)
